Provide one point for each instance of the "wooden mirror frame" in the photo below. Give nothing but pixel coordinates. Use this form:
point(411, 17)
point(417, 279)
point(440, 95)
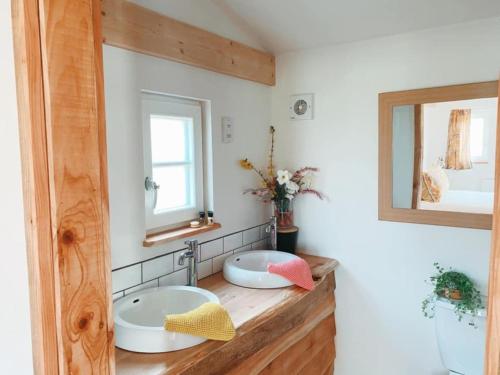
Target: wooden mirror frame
point(387, 101)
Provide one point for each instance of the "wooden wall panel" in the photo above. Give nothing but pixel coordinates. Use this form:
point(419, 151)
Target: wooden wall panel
point(58, 50)
point(492, 360)
point(139, 29)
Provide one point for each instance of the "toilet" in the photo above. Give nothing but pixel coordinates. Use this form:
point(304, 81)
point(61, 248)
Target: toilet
point(461, 345)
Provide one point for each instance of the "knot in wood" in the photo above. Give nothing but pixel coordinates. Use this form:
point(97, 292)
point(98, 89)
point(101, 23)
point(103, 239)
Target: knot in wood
point(83, 323)
point(68, 236)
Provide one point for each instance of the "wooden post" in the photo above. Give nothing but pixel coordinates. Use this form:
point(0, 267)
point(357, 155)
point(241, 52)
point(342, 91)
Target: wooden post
point(61, 106)
point(492, 360)
point(33, 140)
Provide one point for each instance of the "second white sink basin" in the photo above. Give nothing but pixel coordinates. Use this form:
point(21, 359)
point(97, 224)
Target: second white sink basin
point(139, 318)
point(249, 269)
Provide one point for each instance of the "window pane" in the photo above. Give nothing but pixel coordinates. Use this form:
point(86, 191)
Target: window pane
point(169, 139)
point(174, 187)
point(477, 137)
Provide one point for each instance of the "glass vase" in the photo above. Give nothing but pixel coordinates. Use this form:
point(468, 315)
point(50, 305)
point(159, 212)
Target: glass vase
point(283, 210)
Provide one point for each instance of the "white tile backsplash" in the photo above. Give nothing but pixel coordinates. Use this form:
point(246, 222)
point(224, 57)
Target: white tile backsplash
point(244, 248)
point(233, 241)
point(175, 278)
point(211, 249)
point(251, 235)
point(154, 268)
point(165, 269)
point(219, 261)
point(117, 296)
point(149, 284)
point(126, 278)
point(260, 245)
point(204, 269)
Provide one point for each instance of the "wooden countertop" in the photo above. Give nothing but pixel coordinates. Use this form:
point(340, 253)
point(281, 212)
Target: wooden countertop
point(259, 315)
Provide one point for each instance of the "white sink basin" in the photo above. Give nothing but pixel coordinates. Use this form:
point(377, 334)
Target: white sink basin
point(139, 318)
point(249, 269)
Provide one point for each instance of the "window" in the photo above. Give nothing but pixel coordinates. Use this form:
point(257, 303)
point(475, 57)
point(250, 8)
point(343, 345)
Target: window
point(478, 147)
point(173, 160)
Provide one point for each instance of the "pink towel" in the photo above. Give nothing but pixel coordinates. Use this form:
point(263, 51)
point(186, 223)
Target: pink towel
point(296, 270)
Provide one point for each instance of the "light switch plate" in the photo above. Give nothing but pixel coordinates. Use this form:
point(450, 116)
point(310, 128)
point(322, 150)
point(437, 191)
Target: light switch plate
point(227, 129)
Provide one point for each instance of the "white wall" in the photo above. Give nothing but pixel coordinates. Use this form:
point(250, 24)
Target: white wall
point(380, 282)
point(15, 334)
point(248, 103)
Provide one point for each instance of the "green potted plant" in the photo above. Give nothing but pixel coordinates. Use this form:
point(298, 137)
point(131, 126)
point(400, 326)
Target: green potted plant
point(455, 287)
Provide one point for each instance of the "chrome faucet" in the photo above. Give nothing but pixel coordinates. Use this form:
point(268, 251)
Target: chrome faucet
point(272, 229)
point(191, 254)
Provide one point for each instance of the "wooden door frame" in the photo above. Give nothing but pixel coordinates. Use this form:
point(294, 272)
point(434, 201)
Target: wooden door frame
point(59, 75)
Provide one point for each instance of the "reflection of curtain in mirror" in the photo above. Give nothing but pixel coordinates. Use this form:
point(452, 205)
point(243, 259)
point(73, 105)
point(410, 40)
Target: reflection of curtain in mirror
point(458, 150)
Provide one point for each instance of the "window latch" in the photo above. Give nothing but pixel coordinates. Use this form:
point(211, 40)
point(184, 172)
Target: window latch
point(151, 185)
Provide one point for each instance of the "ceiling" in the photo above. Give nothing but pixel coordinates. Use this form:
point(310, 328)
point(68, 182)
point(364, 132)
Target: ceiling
point(285, 25)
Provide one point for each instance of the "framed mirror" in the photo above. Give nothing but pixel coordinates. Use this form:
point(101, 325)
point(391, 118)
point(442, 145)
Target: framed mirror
point(437, 155)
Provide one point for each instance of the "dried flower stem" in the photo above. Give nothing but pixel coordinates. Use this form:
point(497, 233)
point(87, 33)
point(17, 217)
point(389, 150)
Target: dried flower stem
point(260, 174)
point(270, 168)
point(314, 192)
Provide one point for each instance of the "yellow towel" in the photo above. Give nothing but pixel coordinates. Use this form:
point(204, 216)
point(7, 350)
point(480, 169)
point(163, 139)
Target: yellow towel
point(210, 320)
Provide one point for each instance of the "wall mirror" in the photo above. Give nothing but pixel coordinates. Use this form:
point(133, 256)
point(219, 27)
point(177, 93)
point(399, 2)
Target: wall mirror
point(437, 155)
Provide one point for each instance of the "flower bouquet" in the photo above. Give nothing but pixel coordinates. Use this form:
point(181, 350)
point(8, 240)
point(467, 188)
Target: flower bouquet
point(281, 187)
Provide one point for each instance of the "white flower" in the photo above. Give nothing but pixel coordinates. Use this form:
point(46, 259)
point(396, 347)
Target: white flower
point(283, 176)
point(292, 187)
point(289, 196)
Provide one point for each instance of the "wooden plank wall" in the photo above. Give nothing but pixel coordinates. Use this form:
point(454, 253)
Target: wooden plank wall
point(63, 141)
point(139, 29)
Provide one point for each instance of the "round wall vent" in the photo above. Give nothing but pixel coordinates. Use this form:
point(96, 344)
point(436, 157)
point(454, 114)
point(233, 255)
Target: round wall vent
point(301, 107)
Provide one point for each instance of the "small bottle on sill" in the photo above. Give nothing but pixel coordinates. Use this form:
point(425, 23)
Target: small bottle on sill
point(202, 218)
point(210, 219)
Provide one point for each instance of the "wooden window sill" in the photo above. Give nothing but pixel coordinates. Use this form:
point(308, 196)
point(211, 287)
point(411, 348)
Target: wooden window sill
point(177, 234)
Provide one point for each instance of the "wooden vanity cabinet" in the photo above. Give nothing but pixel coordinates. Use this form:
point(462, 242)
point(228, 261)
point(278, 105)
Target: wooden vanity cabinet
point(279, 331)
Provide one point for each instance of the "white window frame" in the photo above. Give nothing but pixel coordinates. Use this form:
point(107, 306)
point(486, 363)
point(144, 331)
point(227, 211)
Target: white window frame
point(484, 158)
point(168, 106)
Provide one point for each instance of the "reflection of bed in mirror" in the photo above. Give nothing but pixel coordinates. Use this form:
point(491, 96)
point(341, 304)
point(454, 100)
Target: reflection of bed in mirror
point(444, 156)
point(462, 201)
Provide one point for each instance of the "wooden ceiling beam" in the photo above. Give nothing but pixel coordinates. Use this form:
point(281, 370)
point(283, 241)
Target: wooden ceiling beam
point(130, 26)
